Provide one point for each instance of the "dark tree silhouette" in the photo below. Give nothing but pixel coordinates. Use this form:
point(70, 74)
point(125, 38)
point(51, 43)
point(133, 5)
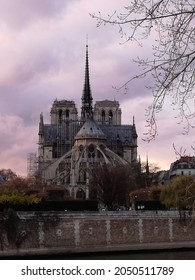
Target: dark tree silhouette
point(111, 185)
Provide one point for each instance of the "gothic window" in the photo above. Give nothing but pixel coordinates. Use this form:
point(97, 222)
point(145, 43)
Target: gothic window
point(81, 148)
point(67, 131)
point(67, 113)
point(60, 115)
point(99, 155)
point(118, 139)
point(91, 151)
point(80, 194)
point(82, 176)
point(61, 166)
point(110, 116)
point(103, 116)
point(54, 151)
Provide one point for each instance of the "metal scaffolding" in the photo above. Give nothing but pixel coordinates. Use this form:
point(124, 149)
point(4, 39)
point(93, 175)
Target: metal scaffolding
point(32, 164)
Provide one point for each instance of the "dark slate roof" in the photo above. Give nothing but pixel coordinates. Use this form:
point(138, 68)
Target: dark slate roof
point(90, 129)
point(112, 133)
point(120, 133)
point(51, 132)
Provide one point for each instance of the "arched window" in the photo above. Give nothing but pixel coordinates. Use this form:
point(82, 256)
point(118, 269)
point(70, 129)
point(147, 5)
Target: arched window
point(80, 194)
point(82, 176)
point(61, 166)
point(91, 151)
point(110, 116)
point(103, 116)
point(60, 115)
point(67, 113)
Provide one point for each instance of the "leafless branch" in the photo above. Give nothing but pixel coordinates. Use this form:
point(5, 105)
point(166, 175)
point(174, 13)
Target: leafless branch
point(173, 64)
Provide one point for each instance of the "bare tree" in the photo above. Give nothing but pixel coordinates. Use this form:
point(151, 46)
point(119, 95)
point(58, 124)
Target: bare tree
point(152, 166)
point(111, 185)
point(173, 63)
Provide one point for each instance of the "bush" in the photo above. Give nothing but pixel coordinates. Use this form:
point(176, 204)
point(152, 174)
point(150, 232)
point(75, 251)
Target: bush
point(75, 205)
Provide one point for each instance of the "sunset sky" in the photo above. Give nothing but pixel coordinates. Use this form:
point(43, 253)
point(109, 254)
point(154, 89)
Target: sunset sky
point(42, 57)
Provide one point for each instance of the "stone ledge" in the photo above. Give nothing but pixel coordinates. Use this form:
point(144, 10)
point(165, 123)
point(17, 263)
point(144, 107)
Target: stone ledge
point(116, 248)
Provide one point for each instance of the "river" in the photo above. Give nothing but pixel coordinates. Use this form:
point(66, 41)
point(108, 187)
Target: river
point(168, 254)
point(182, 254)
point(176, 254)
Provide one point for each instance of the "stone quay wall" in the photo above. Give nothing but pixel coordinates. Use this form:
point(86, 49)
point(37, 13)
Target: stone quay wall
point(68, 232)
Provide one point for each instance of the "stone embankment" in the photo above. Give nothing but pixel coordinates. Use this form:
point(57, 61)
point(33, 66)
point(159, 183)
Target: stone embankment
point(68, 232)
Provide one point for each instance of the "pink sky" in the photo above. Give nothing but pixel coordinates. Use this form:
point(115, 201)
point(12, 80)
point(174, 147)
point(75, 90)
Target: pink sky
point(42, 54)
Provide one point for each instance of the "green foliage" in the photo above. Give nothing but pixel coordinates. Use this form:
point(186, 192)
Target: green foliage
point(146, 194)
point(11, 196)
point(180, 193)
point(15, 190)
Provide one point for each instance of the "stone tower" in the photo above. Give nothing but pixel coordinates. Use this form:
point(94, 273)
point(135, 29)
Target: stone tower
point(63, 110)
point(107, 112)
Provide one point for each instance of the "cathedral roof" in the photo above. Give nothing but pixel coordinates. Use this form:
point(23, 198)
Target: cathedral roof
point(90, 129)
point(120, 133)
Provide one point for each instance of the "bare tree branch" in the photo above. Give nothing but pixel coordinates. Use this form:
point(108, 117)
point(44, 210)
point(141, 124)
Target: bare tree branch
point(173, 64)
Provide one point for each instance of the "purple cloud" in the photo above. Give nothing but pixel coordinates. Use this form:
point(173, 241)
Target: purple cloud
point(42, 54)
point(20, 13)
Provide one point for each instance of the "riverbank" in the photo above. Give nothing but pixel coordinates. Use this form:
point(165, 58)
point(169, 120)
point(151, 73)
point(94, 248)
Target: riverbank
point(177, 253)
point(58, 233)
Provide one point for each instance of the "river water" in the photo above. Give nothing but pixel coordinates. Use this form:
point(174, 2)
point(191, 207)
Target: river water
point(168, 254)
point(177, 254)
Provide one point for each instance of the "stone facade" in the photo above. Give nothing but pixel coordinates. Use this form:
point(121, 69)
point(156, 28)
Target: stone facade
point(183, 166)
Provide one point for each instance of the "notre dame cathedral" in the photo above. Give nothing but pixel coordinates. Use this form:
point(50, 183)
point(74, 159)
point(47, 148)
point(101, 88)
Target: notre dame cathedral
point(71, 145)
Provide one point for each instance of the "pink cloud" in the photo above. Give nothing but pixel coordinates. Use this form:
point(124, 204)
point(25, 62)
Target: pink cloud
point(20, 13)
point(42, 58)
point(15, 142)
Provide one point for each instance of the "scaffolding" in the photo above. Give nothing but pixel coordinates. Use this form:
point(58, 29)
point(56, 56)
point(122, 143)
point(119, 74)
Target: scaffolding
point(66, 131)
point(32, 164)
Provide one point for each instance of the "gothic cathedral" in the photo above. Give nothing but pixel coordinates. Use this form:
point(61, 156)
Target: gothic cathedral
point(71, 145)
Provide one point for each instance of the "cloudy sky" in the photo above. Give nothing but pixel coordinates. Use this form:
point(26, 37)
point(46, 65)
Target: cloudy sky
point(42, 57)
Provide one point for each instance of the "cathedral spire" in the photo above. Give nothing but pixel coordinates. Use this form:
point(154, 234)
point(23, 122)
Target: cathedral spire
point(86, 109)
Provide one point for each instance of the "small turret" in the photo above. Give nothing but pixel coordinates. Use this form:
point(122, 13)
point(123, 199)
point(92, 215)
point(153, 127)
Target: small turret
point(134, 133)
point(41, 124)
point(41, 129)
